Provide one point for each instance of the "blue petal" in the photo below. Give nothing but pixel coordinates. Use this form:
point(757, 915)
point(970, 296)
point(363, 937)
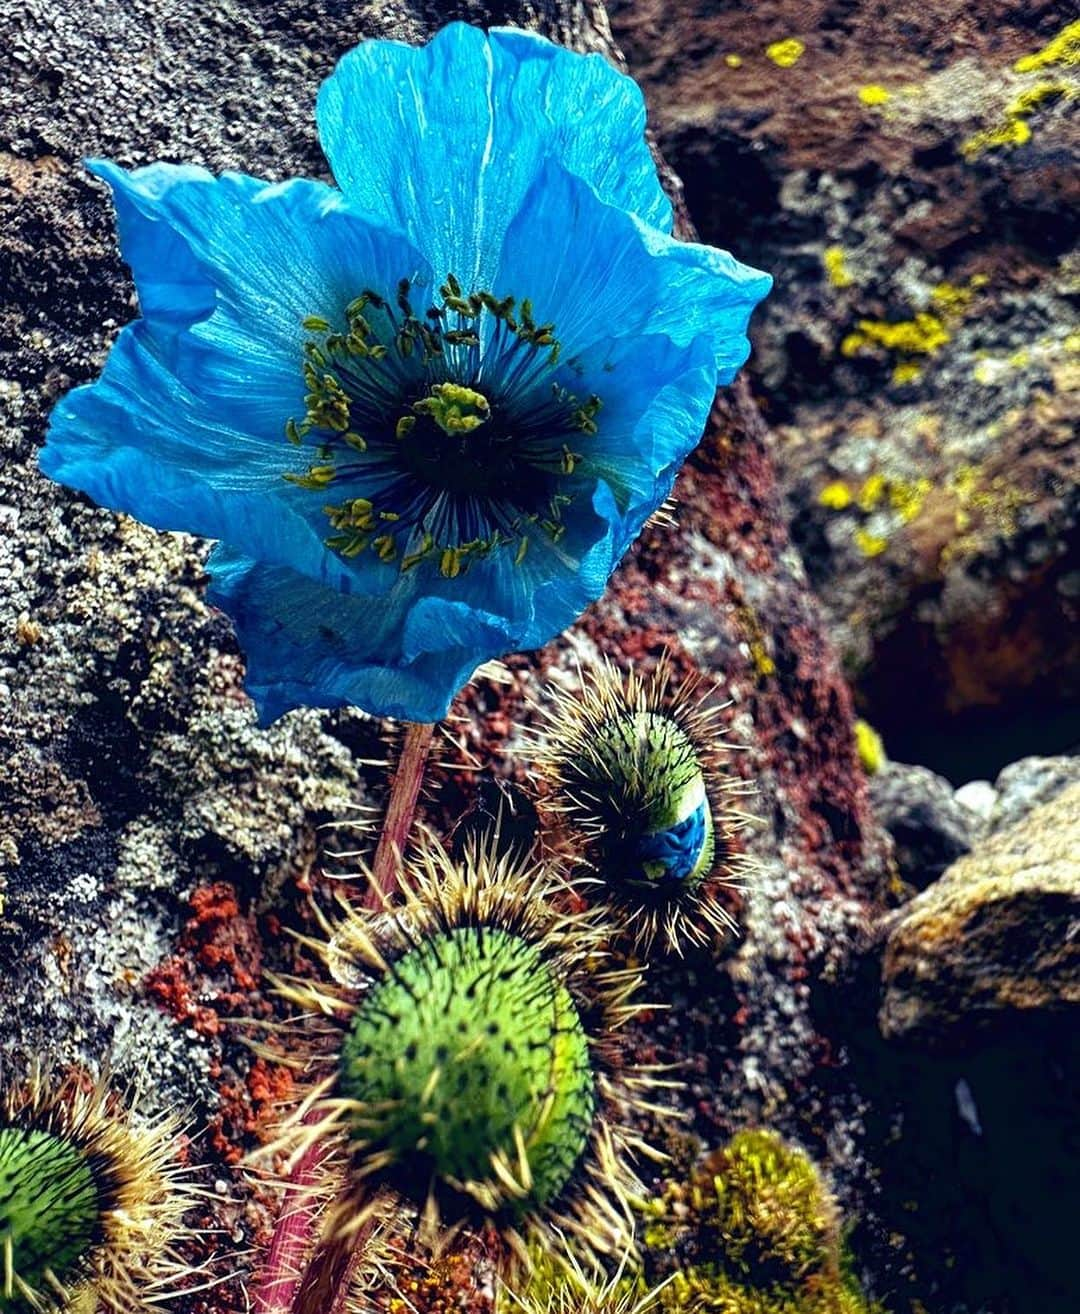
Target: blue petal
point(599, 273)
point(262, 256)
point(406, 653)
point(307, 646)
point(185, 426)
point(444, 140)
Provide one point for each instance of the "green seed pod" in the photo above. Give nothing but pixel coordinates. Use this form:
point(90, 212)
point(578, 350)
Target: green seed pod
point(49, 1207)
point(460, 1083)
point(90, 1203)
point(480, 1071)
point(633, 769)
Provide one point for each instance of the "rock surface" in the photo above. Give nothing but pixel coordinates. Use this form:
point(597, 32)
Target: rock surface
point(997, 934)
point(1025, 784)
point(929, 828)
point(157, 846)
point(907, 171)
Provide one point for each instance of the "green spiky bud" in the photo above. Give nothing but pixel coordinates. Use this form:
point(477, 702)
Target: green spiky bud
point(645, 787)
point(49, 1208)
point(471, 1053)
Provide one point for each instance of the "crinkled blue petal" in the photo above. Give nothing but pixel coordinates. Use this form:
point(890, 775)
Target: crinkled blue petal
point(407, 652)
point(444, 140)
point(307, 646)
point(185, 427)
point(598, 272)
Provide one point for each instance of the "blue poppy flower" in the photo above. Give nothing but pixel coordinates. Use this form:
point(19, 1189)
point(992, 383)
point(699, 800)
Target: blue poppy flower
point(426, 413)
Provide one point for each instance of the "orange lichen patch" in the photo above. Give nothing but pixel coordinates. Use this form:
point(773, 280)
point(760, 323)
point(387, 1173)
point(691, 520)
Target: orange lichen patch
point(218, 937)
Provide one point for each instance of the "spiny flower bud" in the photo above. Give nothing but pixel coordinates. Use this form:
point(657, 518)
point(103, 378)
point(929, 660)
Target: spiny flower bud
point(633, 768)
point(473, 1055)
point(475, 1071)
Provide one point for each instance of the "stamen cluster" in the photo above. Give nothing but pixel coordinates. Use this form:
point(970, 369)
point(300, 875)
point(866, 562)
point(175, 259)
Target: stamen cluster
point(450, 429)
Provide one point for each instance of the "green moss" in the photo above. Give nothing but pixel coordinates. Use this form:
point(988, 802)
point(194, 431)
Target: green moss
point(757, 1230)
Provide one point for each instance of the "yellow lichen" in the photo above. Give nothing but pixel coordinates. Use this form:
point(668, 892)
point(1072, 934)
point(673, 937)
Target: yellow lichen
point(872, 491)
point(906, 372)
point(907, 499)
point(733, 61)
point(952, 298)
point(836, 496)
point(787, 52)
point(1028, 101)
point(1013, 132)
point(870, 545)
point(872, 94)
point(1014, 129)
point(921, 336)
point(870, 747)
point(836, 270)
point(756, 643)
point(1063, 49)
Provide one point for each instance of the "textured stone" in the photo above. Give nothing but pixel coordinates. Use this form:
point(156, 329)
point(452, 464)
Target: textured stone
point(995, 936)
point(158, 845)
point(929, 828)
point(1025, 784)
point(919, 354)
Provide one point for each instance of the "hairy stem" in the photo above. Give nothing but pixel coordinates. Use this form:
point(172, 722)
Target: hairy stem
point(399, 811)
point(293, 1234)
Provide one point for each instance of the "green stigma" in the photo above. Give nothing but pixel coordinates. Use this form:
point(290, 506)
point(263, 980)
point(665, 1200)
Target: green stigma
point(471, 1054)
point(454, 408)
point(645, 787)
point(426, 466)
point(49, 1209)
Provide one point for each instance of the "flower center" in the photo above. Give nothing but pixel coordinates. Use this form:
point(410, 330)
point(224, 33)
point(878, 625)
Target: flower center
point(449, 434)
point(471, 1056)
point(48, 1208)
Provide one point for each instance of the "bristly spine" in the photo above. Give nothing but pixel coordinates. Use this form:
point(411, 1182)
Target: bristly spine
point(633, 769)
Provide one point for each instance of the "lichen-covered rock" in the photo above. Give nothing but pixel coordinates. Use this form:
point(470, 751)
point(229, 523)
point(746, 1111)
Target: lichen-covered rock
point(1025, 784)
point(929, 828)
point(907, 172)
point(995, 936)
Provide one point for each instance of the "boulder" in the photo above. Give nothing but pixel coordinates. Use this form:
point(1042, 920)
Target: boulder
point(995, 936)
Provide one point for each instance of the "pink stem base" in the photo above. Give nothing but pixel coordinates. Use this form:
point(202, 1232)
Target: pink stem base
point(283, 1272)
point(284, 1286)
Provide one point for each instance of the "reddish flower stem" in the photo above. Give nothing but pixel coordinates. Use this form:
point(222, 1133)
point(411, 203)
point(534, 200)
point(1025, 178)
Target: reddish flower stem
point(282, 1274)
point(284, 1286)
point(400, 810)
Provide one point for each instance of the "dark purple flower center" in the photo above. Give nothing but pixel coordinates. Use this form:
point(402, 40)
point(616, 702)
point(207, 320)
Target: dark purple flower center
point(449, 435)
